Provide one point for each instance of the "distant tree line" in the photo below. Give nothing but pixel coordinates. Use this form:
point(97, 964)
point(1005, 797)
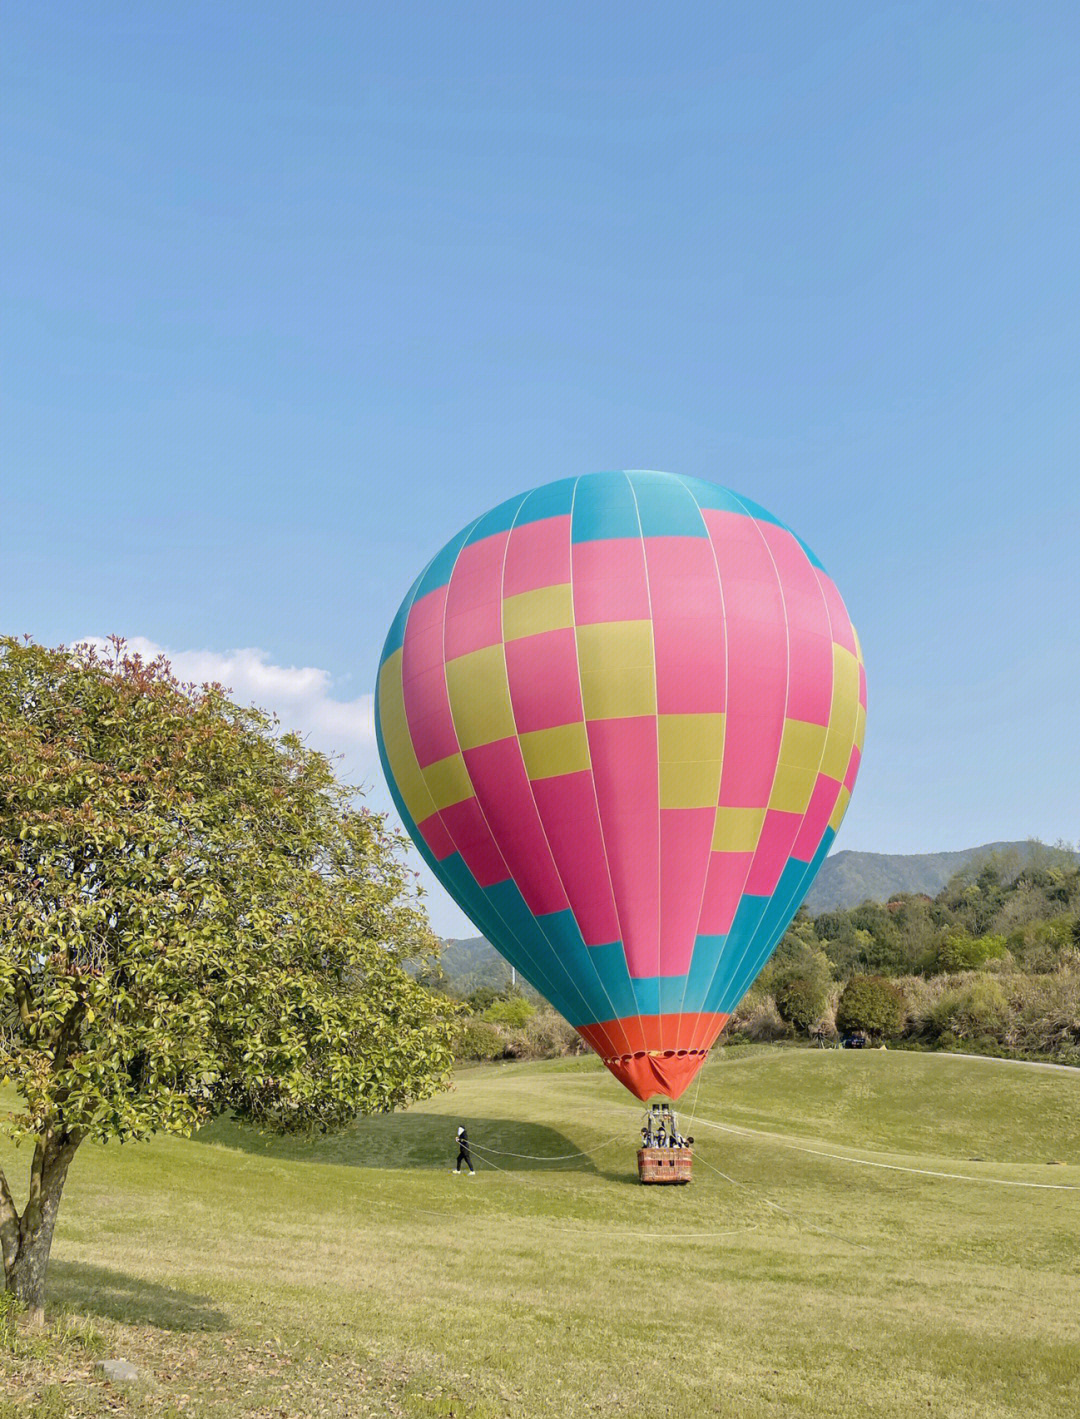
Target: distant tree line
point(991, 964)
point(504, 1020)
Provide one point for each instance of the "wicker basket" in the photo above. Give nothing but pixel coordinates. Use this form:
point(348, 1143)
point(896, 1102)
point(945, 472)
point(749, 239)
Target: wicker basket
point(665, 1165)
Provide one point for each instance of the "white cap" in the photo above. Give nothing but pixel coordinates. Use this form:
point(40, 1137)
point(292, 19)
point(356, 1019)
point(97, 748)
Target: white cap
point(460, 1130)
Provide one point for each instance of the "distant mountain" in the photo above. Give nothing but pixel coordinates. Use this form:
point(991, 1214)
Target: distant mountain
point(472, 963)
point(848, 878)
point(845, 880)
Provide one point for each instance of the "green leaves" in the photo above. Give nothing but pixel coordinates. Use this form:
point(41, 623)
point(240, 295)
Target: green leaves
point(195, 916)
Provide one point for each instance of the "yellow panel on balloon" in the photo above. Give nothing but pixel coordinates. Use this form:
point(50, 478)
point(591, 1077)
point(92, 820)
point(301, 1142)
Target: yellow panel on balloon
point(480, 697)
point(737, 829)
point(548, 608)
point(845, 704)
point(448, 781)
point(549, 752)
point(840, 809)
point(691, 748)
point(692, 783)
point(618, 676)
point(397, 741)
point(792, 788)
point(684, 737)
point(803, 743)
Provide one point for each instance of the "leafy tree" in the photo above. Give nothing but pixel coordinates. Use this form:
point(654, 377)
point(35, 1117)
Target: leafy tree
point(512, 1010)
point(830, 925)
point(476, 1039)
point(957, 951)
point(195, 918)
point(977, 1010)
point(479, 1000)
point(801, 1002)
point(871, 1004)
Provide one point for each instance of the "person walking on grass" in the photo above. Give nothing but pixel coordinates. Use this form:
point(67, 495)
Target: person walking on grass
point(463, 1152)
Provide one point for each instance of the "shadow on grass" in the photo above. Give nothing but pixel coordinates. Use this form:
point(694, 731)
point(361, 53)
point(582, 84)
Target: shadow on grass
point(417, 1140)
point(93, 1290)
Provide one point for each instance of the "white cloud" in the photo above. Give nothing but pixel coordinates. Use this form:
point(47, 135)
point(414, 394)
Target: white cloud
point(301, 696)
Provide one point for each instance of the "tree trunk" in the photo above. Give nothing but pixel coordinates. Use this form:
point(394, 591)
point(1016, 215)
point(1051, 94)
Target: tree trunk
point(27, 1240)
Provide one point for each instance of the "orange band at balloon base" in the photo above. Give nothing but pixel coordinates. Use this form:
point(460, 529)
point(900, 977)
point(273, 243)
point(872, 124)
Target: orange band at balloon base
point(650, 1071)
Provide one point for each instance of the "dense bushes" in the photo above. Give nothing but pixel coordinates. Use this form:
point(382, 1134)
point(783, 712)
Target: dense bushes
point(513, 1010)
point(956, 951)
point(872, 1005)
point(975, 1010)
point(802, 1002)
point(1007, 1012)
point(991, 964)
point(544, 1034)
point(758, 1019)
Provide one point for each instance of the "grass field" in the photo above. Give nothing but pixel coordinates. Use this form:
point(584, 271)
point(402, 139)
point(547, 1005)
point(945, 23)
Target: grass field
point(355, 1276)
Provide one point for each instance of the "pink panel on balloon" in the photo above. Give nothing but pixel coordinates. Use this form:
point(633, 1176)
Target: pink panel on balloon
point(862, 685)
point(778, 834)
point(757, 659)
point(755, 719)
point(503, 791)
point(685, 593)
point(803, 598)
point(852, 768)
point(423, 644)
point(427, 710)
point(538, 555)
point(685, 849)
point(623, 753)
point(472, 838)
point(567, 805)
point(816, 818)
point(741, 551)
point(423, 681)
point(545, 688)
point(809, 632)
point(434, 833)
point(723, 891)
point(609, 581)
point(811, 673)
point(474, 597)
point(841, 623)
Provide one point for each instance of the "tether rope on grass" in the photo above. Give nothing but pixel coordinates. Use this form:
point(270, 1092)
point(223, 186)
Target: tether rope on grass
point(630, 1234)
point(891, 1167)
point(547, 1157)
point(782, 1142)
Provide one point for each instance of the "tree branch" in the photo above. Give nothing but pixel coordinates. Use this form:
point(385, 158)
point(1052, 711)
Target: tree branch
point(22, 996)
point(9, 1223)
point(67, 1034)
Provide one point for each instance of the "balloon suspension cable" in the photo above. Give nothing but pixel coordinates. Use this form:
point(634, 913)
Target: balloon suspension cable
point(550, 1157)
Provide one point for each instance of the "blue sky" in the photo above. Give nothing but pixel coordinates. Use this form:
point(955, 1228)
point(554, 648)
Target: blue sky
point(294, 291)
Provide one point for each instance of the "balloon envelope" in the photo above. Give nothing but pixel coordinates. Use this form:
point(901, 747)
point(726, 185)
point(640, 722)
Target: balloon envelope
point(621, 716)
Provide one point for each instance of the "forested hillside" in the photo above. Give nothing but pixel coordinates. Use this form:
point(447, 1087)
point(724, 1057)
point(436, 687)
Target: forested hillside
point(848, 878)
point(989, 962)
point(845, 880)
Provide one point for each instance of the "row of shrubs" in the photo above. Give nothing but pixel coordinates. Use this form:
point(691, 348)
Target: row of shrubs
point(1005, 1012)
point(1000, 1013)
point(992, 964)
point(543, 1034)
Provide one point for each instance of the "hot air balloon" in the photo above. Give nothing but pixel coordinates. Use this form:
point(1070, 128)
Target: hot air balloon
point(621, 716)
